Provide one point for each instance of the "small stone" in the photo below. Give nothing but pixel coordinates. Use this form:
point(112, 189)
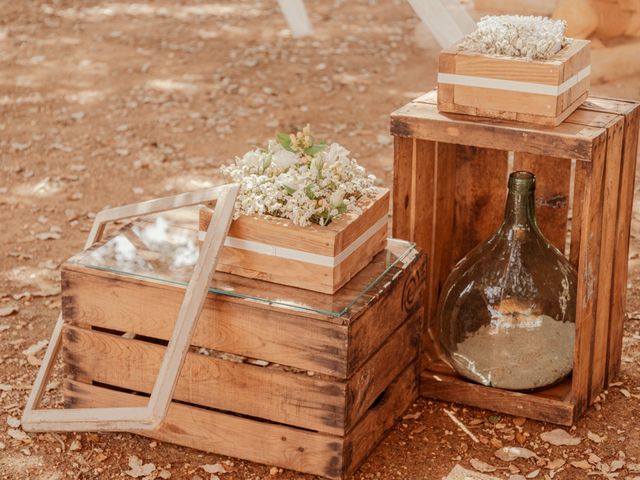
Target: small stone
point(533, 473)
point(215, 468)
point(273, 471)
point(481, 466)
point(594, 437)
point(9, 310)
point(582, 464)
point(555, 464)
point(13, 422)
point(75, 446)
point(17, 434)
point(625, 392)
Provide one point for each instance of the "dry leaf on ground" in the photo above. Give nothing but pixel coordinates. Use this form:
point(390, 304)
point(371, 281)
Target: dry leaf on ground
point(509, 454)
point(138, 469)
point(481, 466)
point(559, 437)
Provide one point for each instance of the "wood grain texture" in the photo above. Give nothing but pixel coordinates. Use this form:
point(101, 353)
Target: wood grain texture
point(553, 182)
point(623, 232)
point(588, 271)
point(284, 397)
point(441, 251)
point(423, 121)
point(607, 253)
point(225, 434)
point(230, 325)
point(550, 406)
point(480, 195)
point(402, 181)
point(404, 298)
point(381, 416)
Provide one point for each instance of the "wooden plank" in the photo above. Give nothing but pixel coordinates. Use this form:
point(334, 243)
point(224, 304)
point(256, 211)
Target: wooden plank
point(225, 434)
point(402, 348)
point(423, 121)
point(270, 393)
point(553, 181)
point(236, 326)
point(581, 176)
point(547, 72)
point(588, 271)
point(401, 300)
point(442, 240)
point(622, 239)
point(607, 252)
point(479, 197)
point(380, 418)
point(424, 165)
point(547, 408)
point(402, 180)
point(491, 99)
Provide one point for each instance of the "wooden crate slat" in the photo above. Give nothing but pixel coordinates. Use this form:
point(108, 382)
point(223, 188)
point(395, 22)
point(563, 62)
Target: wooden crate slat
point(386, 364)
point(401, 301)
point(423, 121)
point(553, 182)
point(295, 399)
point(263, 442)
point(607, 252)
point(581, 176)
point(382, 415)
point(451, 388)
point(480, 190)
point(623, 231)
point(228, 326)
point(402, 180)
point(441, 254)
point(588, 271)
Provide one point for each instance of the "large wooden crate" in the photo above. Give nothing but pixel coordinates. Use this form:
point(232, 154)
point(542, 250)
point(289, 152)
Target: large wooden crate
point(313, 392)
point(450, 177)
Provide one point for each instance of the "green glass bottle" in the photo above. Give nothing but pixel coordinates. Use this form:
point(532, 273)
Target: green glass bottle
point(507, 310)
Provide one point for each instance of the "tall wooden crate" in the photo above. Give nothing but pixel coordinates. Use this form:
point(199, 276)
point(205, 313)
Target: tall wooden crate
point(450, 176)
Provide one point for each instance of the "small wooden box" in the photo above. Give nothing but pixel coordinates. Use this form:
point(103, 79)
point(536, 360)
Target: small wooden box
point(293, 387)
point(450, 177)
point(534, 91)
point(318, 258)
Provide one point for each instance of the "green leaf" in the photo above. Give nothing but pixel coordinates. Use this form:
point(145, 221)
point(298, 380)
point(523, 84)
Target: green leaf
point(314, 149)
point(289, 190)
point(309, 191)
point(285, 140)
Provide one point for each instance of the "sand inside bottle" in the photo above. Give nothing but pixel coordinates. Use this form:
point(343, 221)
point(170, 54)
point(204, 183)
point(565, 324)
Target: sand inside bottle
point(527, 352)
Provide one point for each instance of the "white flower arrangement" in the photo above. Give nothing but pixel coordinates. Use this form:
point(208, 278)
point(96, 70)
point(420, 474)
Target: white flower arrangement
point(298, 179)
point(516, 36)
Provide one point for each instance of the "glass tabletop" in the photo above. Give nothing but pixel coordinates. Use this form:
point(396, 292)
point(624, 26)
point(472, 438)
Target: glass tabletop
point(164, 248)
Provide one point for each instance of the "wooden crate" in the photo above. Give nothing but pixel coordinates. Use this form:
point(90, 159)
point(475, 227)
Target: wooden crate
point(335, 384)
point(318, 258)
point(544, 92)
point(450, 177)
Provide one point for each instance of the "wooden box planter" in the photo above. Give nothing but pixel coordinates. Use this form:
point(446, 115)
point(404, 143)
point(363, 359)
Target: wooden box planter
point(326, 387)
point(318, 258)
point(450, 177)
point(534, 91)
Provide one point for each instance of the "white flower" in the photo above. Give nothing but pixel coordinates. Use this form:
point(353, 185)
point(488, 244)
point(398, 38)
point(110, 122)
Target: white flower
point(337, 198)
point(252, 158)
point(284, 159)
point(336, 152)
point(289, 181)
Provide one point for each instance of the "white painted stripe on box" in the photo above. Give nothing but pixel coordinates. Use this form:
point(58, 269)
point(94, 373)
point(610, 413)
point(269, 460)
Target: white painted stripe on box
point(513, 85)
point(305, 257)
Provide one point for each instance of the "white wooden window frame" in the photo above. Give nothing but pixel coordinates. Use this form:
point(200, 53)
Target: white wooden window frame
point(151, 416)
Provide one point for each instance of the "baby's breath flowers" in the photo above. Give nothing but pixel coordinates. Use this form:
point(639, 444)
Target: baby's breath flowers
point(516, 36)
point(296, 178)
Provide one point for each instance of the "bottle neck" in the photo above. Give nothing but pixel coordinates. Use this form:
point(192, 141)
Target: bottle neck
point(520, 211)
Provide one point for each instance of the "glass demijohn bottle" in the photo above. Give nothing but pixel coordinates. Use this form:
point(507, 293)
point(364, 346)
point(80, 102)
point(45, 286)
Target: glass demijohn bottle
point(507, 310)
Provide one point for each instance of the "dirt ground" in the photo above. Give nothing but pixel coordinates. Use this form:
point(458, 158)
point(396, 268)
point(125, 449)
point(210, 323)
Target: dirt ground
point(107, 103)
